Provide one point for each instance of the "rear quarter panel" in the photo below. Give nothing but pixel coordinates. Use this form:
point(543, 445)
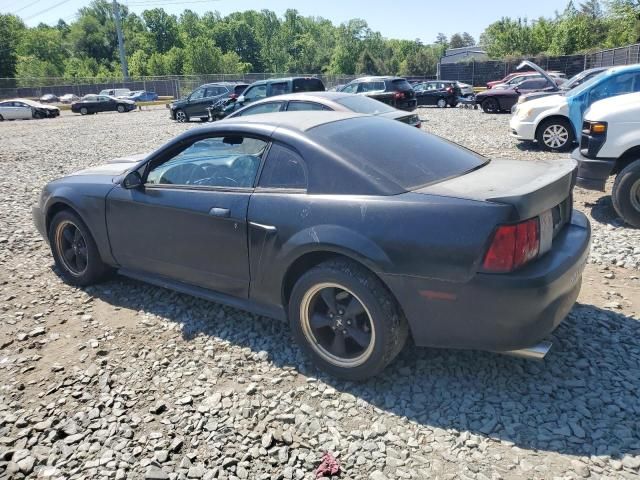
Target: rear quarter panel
point(409, 234)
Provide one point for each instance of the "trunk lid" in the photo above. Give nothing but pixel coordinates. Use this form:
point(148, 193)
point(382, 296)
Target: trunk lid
point(531, 187)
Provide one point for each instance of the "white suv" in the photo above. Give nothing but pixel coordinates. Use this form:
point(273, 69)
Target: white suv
point(556, 120)
point(610, 145)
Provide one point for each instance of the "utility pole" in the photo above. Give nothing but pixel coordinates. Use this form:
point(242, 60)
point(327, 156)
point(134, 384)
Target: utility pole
point(123, 55)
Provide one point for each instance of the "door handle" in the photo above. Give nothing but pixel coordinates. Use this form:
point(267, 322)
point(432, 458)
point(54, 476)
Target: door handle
point(220, 212)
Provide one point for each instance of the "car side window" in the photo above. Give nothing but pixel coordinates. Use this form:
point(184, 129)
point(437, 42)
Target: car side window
point(230, 161)
point(351, 88)
point(279, 88)
point(305, 106)
point(283, 168)
point(269, 107)
point(255, 93)
point(198, 94)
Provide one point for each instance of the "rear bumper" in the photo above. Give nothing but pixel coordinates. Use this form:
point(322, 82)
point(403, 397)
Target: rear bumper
point(592, 173)
point(407, 105)
point(498, 312)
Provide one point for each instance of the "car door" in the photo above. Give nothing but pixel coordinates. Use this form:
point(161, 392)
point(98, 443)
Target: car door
point(187, 222)
point(278, 88)
point(23, 111)
point(350, 88)
point(105, 104)
point(429, 95)
point(193, 108)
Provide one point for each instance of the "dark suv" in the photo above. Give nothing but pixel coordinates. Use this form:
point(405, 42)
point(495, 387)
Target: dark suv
point(394, 91)
point(275, 86)
point(195, 105)
point(438, 92)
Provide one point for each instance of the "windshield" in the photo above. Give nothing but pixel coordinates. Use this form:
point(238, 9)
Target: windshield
point(396, 154)
point(583, 87)
point(360, 104)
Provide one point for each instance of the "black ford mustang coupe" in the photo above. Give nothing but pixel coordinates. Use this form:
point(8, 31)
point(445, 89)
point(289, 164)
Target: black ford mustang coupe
point(359, 230)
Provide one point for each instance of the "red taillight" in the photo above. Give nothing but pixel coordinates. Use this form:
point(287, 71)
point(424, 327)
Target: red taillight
point(398, 95)
point(449, 90)
point(513, 246)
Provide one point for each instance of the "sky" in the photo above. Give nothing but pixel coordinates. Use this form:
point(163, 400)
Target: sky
point(409, 20)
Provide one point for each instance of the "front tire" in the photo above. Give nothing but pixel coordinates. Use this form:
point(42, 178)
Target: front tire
point(181, 116)
point(75, 251)
point(346, 320)
point(121, 108)
point(490, 105)
point(555, 134)
point(84, 111)
point(626, 194)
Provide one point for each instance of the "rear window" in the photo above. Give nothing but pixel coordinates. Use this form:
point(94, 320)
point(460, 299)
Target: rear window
point(360, 104)
point(401, 84)
point(399, 156)
point(307, 85)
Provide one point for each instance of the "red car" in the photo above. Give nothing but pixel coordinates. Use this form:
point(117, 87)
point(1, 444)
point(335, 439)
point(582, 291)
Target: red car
point(504, 80)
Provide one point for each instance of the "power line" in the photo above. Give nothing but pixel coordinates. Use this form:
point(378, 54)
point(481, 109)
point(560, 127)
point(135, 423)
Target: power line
point(46, 10)
point(26, 6)
point(161, 4)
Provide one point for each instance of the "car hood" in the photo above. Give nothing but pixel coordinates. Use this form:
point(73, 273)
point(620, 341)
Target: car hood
point(618, 107)
point(527, 63)
point(114, 167)
point(549, 101)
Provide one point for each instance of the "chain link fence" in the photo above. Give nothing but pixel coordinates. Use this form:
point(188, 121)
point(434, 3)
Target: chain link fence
point(175, 86)
point(479, 73)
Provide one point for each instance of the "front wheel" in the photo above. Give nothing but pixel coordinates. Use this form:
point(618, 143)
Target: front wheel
point(75, 251)
point(84, 111)
point(181, 116)
point(626, 194)
point(490, 105)
point(555, 134)
point(120, 108)
point(346, 320)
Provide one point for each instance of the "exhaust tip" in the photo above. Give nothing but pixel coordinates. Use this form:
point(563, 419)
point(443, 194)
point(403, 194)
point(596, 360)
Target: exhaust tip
point(535, 352)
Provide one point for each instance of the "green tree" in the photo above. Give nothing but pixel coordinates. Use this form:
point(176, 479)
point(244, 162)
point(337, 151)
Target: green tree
point(202, 56)
point(138, 64)
point(163, 29)
point(11, 31)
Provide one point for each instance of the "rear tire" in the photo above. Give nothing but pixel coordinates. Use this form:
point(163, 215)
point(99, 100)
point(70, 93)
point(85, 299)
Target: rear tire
point(626, 194)
point(441, 103)
point(1, 118)
point(84, 111)
point(490, 105)
point(121, 108)
point(555, 134)
point(75, 251)
point(346, 320)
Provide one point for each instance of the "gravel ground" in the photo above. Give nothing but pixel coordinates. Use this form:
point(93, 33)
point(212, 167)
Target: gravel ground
point(125, 380)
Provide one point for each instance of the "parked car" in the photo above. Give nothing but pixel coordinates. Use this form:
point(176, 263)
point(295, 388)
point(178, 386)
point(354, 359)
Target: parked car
point(610, 145)
point(554, 121)
point(358, 229)
point(508, 79)
point(115, 92)
point(573, 82)
point(196, 103)
point(466, 90)
point(336, 88)
point(271, 88)
point(69, 98)
point(91, 104)
point(327, 101)
point(394, 91)
point(48, 98)
point(501, 100)
point(25, 109)
point(438, 92)
point(530, 76)
point(143, 96)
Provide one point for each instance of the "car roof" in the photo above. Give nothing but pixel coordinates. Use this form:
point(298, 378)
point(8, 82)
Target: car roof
point(299, 121)
point(378, 77)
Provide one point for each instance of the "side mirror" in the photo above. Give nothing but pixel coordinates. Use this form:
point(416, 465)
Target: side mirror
point(132, 180)
point(516, 89)
point(240, 99)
